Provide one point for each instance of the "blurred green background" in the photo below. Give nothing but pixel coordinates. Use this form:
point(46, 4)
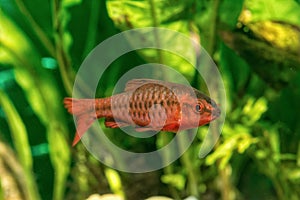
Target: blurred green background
point(256, 46)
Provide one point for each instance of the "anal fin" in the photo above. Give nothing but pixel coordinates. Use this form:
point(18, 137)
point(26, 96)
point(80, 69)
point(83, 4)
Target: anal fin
point(145, 128)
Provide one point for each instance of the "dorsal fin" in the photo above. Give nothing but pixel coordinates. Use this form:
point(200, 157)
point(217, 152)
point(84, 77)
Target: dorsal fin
point(135, 83)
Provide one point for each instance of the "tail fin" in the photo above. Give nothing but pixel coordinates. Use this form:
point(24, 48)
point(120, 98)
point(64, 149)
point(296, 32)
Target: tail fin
point(83, 109)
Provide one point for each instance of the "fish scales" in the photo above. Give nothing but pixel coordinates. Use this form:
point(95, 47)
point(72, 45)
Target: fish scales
point(140, 103)
point(159, 95)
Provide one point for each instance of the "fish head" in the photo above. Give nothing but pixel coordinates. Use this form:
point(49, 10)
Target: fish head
point(198, 110)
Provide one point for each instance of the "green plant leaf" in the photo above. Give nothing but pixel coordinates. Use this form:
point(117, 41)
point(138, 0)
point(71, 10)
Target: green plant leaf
point(264, 10)
point(138, 14)
point(294, 175)
point(69, 3)
point(25, 59)
point(175, 180)
point(275, 142)
point(114, 181)
point(43, 96)
point(60, 157)
point(254, 109)
point(240, 141)
point(18, 131)
point(21, 144)
point(1, 191)
point(230, 11)
point(298, 155)
point(230, 65)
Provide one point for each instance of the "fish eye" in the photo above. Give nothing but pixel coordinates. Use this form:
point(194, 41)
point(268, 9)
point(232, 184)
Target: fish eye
point(199, 107)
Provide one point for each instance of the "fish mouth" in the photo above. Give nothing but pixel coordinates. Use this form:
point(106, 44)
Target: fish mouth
point(216, 113)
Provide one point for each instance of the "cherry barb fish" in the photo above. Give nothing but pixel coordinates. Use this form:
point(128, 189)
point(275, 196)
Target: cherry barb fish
point(146, 104)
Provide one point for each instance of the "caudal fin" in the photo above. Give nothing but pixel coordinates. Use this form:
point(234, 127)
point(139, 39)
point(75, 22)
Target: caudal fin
point(83, 110)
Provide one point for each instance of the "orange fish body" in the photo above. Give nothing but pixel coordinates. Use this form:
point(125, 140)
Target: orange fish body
point(146, 104)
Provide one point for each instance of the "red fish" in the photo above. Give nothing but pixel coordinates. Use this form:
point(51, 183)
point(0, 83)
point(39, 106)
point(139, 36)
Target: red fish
point(146, 104)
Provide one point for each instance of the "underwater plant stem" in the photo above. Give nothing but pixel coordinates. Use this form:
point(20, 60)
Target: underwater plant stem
point(169, 168)
point(27, 66)
point(155, 23)
point(279, 182)
point(187, 161)
point(63, 63)
point(25, 175)
point(213, 27)
point(10, 167)
point(114, 181)
point(226, 191)
point(1, 191)
point(279, 190)
point(62, 56)
point(227, 188)
point(36, 28)
point(91, 33)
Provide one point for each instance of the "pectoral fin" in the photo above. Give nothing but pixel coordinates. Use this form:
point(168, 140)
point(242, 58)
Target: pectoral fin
point(171, 127)
point(111, 123)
